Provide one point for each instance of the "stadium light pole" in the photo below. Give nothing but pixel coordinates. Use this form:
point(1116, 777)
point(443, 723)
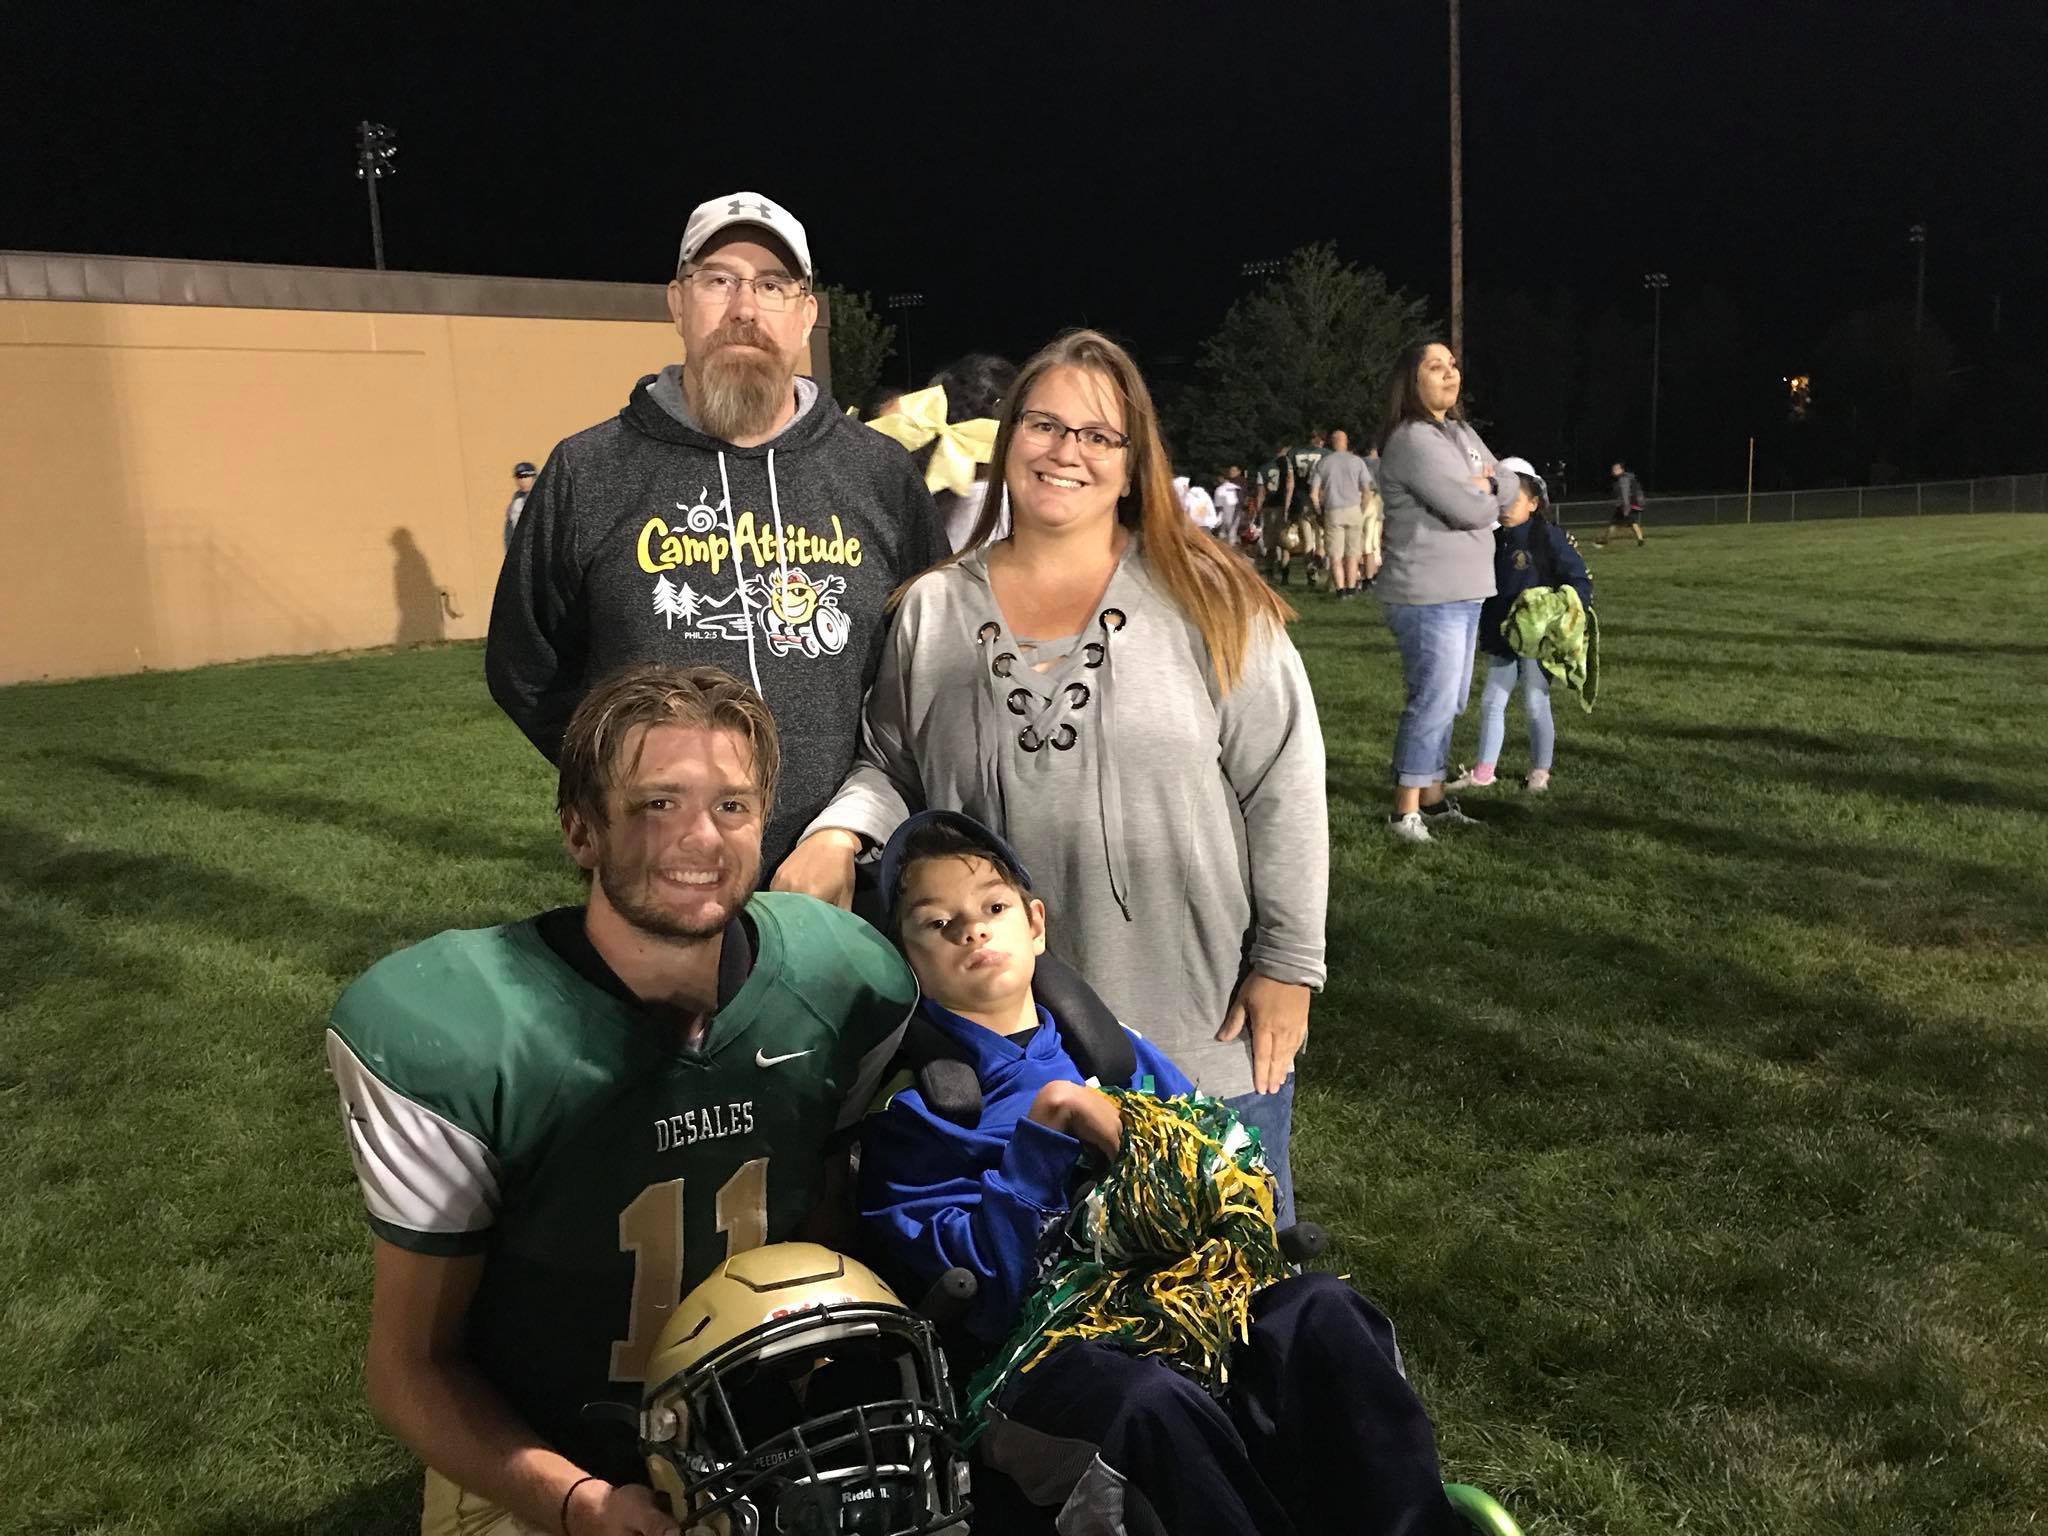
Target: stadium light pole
point(376, 148)
point(1266, 266)
point(1656, 283)
point(1457, 199)
point(1916, 237)
point(902, 304)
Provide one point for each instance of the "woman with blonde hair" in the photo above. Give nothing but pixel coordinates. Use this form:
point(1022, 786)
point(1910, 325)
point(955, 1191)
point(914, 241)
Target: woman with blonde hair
point(1114, 693)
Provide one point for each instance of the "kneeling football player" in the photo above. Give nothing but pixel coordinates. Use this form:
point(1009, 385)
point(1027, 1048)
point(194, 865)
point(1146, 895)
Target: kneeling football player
point(563, 1124)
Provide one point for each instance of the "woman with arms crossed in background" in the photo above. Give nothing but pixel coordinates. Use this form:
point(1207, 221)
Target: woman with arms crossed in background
point(1442, 496)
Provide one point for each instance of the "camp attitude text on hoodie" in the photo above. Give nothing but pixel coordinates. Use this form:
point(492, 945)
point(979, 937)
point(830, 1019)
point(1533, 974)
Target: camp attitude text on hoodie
point(646, 539)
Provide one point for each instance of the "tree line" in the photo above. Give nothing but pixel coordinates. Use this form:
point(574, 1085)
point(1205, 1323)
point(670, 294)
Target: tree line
point(1312, 347)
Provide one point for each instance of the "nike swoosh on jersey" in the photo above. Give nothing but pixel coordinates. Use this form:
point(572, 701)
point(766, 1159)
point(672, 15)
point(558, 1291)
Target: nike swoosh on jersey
point(762, 1059)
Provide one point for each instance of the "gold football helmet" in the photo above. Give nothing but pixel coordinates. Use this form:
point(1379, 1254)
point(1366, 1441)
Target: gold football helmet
point(792, 1392)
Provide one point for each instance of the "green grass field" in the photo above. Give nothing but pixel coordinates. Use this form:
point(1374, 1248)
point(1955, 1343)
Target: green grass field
point(1689, 1120)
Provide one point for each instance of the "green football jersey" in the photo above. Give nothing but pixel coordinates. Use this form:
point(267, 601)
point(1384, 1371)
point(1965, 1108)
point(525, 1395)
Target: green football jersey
point(1305, 462)
point(1273, 481)
point(499, 1102)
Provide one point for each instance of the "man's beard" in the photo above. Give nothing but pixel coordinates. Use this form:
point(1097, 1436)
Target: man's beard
point(659, 922)
point(741, 392)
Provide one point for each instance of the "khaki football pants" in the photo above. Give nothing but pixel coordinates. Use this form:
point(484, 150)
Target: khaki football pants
point(452, 1511)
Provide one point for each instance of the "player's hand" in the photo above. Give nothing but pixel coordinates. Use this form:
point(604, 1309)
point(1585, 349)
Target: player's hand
point(1076, 1110)
point(1276, 1012)
point(821, 866)
point(598, 1508)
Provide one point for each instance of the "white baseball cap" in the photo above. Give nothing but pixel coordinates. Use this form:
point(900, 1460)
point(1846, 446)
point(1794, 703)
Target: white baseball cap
point(1517, 466)
point(746, 208)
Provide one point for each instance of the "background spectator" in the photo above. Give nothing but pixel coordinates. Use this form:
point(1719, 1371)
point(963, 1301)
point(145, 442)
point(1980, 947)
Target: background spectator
point(522, 487)
point(1443, 496)
point(1628, 505)
point(1528, 551)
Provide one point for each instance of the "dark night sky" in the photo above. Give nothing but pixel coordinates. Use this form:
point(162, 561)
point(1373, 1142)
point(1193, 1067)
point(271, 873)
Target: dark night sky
point(1033, 167)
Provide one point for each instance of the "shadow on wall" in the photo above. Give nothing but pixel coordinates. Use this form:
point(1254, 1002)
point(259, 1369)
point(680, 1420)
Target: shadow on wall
point(422, 614)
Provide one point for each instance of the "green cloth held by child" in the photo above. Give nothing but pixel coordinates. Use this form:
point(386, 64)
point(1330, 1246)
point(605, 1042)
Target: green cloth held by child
point(1553, 626)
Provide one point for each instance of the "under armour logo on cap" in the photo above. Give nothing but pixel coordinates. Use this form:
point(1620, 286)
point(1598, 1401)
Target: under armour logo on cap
point(721, 213)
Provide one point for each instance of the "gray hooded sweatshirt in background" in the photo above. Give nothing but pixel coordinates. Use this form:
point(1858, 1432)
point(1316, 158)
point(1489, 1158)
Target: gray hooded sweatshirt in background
point(1437, 545)
point(1177, 835)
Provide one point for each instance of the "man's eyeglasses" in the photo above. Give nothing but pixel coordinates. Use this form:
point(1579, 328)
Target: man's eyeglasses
point(773, 292)
point(1045, 431)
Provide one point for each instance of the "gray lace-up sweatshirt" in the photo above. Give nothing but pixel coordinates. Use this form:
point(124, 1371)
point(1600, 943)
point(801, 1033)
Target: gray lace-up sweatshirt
point(1176, 834)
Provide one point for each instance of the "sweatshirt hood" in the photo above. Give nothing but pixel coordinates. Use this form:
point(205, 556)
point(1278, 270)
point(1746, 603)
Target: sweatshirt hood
point(657, 409)
point(996, 1058)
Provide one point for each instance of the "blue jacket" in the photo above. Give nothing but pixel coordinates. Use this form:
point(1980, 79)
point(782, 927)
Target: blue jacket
point(934, 1194)
point(1535, 553)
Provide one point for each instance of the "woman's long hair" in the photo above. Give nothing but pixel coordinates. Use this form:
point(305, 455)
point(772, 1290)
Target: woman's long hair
point(1217, 591)
point(1404, 398)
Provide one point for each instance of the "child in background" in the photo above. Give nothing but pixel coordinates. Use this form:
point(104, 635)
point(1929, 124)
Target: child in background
point(1528, 551)
point(1318, 1430)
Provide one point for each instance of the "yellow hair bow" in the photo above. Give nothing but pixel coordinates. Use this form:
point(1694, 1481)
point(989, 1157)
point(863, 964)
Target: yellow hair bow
point(920, 418)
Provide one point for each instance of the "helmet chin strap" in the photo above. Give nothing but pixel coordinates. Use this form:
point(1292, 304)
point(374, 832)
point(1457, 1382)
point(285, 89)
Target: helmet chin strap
point(808, 1509)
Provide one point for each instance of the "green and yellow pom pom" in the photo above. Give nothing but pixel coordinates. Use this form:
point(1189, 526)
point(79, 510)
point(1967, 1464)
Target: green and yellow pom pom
point(1165, 1253)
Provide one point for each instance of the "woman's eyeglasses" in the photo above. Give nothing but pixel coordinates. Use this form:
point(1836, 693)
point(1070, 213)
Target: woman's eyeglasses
point(1044, 430)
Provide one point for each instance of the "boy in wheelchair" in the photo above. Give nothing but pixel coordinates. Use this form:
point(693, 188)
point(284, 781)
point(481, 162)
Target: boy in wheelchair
point(1317, 1430)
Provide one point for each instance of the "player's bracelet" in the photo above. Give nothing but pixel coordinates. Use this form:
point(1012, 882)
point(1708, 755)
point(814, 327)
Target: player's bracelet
point(588, 1477)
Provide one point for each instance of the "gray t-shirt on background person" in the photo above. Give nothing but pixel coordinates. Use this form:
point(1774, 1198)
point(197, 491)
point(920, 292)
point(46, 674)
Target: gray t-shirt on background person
point(1343, 478)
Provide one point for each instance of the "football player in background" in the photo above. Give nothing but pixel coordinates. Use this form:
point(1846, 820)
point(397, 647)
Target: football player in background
point(1272, 490)
point(1302, 515)
point(561, 1125)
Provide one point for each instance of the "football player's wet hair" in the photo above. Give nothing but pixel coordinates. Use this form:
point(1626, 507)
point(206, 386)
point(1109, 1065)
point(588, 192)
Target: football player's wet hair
point(647, 694)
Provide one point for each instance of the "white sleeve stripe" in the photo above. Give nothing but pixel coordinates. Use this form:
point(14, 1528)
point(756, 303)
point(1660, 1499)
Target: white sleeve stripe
point(419, 1171)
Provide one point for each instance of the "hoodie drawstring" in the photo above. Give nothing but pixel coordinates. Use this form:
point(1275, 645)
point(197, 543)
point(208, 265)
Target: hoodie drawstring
point(1109, 788)
point(775, 506)
point(739, 575)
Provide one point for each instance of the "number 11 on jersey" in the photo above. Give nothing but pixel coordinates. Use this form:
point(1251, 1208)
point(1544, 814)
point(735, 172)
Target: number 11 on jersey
point(651, 1229)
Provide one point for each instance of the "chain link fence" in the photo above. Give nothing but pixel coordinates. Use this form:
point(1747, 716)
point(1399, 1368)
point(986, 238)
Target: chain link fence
point(1926, 498)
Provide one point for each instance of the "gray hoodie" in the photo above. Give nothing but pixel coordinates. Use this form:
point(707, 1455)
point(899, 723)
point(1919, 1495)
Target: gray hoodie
point(645, 539)
point(1437, 546)
point(1177, 834)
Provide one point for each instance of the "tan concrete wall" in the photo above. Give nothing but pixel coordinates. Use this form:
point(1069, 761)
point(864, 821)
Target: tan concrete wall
point(182, 485)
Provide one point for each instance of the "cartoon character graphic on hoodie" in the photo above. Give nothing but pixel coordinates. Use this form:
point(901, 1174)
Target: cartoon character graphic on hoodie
point(648, 539)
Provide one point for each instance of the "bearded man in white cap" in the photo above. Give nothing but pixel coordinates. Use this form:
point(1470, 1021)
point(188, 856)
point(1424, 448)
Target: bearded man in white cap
point(730, 514)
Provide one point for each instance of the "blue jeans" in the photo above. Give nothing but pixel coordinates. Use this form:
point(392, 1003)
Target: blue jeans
point(1493, 709)
point(1272, 1116)
point(1437, 642)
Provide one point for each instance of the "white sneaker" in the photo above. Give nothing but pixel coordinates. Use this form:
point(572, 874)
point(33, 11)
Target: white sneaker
point(1409, 828)
point(1449, 815)
point(1538, 781)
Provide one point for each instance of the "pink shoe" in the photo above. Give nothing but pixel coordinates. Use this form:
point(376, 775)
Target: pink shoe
point(1472, 778)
